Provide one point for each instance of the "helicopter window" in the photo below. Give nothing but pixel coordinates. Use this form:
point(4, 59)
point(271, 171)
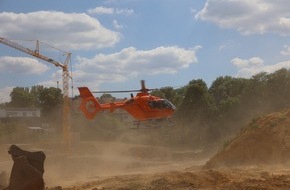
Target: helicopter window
point(166, 104)
point(161, 104)
point(152, 104)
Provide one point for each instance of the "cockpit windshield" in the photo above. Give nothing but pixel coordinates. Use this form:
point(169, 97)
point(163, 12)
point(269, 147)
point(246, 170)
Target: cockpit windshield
point(161, 104)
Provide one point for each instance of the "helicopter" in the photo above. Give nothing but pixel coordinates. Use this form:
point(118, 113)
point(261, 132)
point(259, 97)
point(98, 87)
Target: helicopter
point(148, 110)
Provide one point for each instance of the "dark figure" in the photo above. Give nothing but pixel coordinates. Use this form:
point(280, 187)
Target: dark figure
point(27, 171)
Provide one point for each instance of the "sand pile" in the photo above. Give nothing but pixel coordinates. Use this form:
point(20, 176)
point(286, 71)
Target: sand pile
point(265, 141)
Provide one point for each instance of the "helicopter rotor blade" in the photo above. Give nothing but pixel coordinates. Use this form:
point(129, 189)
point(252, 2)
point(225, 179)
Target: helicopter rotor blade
point(143, 89)
point(115, 91)
point(121, 91)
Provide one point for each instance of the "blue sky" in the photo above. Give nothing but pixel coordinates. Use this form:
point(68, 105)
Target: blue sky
point(116, 43)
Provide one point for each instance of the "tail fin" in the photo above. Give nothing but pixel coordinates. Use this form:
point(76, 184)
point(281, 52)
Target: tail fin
point(89, 105)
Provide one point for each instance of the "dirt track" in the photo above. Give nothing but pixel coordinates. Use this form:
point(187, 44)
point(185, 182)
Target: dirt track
point(185, 180)
point(120, 166)
point(90, 161)
point(101, 160)
point(123, 166)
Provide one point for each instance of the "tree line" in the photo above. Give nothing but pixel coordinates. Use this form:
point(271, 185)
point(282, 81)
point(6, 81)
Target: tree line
point(210, 114)
point(36, 96)
point(204, 114)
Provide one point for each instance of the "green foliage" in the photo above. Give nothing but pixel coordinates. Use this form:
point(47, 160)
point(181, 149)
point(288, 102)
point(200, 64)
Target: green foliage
point(204, 114)
point(36, 96)
point(197, 104)
point(35, 91)
point(227, 87)
point(105, 126)
point(227, 143)
point(230, 103)
point(7, 129)
point(169, 93)
point(107, 97)
point(21, 97)
point(50, 98)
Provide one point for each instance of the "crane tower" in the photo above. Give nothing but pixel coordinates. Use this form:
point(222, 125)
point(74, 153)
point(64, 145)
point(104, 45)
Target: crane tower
point(65, 81)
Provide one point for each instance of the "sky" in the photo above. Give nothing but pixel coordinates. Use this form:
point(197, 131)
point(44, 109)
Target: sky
point(116, 43)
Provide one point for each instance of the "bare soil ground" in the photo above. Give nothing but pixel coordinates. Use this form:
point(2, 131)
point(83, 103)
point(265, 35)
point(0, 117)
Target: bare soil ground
point(256, 159)
point(252, 179)
point(89, 162)
point(121, 166)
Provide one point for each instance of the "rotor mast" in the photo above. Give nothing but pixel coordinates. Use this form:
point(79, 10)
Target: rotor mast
point(65, 80)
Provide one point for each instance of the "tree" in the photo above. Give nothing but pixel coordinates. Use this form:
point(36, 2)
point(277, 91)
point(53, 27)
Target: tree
point(169, 93)
point(50, 98)
point(107, 97)
point(279, 88)
point(35, 91)
point(20, 97)
point(255, 96)
point(227, 92)
point(266, 93)
point(197, 105)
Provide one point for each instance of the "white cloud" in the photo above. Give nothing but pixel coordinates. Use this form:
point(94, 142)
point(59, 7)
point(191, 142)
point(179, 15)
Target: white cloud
point(22, 65)
point(240, 63)
point(252, 62)
point(64, 30)
point(124, 11)
point(117, 25)
point(286, 51)
point(107, 10)
point(193, 11)
point(255, 16)
point(131, 62)
point(227, 45)
point(255, 65)
point(101, 10)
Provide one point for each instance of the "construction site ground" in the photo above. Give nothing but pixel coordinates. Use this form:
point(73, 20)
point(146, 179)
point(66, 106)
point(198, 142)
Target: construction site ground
point(256, 159)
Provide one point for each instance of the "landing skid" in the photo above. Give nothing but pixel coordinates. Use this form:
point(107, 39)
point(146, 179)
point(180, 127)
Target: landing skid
point(153, 123)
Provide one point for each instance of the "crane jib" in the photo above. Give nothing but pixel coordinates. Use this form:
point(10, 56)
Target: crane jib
point(65, 80)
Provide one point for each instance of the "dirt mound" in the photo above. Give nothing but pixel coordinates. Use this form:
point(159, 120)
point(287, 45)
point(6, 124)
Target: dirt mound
point(265, 141)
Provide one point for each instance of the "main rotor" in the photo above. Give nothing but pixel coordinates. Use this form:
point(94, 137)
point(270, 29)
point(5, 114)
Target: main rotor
point(143, 89)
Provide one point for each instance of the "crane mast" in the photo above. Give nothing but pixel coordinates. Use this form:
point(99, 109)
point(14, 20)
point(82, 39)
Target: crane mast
point(65, 80)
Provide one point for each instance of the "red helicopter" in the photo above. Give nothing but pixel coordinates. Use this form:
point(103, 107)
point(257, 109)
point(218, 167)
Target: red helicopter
point(147, 109)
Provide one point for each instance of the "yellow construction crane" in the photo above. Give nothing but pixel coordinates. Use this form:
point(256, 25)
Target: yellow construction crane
point(65, 79)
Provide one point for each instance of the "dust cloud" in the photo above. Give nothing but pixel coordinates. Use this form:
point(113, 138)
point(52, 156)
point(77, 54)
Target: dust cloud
point(257, 158)
point(101, 155)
